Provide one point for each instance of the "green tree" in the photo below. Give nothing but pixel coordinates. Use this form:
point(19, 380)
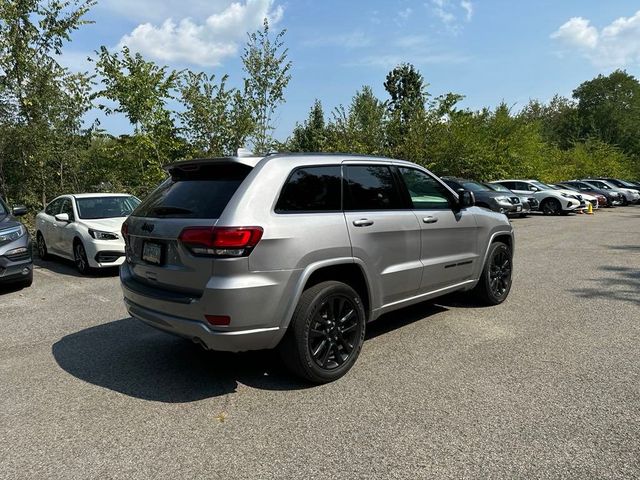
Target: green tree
point(267, 68)
point(312, 135)
point(216, 119)
point(41, 103)
point(359, 128)
point(407, 90)
point(140, 89)
point(609, 109)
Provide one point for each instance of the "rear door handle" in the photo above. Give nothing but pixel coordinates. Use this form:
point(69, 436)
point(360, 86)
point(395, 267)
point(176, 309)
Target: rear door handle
point(430, 219)
point(363, 222)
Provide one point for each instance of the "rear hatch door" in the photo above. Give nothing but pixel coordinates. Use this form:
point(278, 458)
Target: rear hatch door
point(195, 195)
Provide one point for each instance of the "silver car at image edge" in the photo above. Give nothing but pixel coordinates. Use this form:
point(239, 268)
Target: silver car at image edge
point(16, 262)
point(300, 251)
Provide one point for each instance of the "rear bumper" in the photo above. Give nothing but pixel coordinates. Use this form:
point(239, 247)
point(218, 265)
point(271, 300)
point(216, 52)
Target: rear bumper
point(199, 332)
point(256, 302)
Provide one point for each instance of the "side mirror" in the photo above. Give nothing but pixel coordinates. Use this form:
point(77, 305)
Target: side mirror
point(466, 198)
point(534, 189)
point(62, 217)
point(19, 210)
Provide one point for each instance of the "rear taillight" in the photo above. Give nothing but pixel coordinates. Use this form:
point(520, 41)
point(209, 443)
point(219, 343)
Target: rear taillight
point(124, 230)
point(221, 241)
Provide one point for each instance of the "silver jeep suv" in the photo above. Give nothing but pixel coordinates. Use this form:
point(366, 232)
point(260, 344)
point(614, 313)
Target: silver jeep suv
point(300, 251)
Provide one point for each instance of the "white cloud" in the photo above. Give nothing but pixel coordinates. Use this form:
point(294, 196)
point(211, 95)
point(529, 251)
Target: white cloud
point(616, 45)
point(449, 12)
point(577, 32)
point(468, 8)
point(206, 43)
point(405, 14)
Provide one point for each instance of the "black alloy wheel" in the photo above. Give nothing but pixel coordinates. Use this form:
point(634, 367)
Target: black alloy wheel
point(500, 273)
point(334, 332)
point(495, 282)
point(326, 332)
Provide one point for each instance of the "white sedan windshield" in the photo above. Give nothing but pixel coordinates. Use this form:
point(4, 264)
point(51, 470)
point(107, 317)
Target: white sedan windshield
point(106, 207)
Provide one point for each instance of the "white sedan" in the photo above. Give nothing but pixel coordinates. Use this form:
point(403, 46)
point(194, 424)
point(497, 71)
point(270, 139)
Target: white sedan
point(85, 228)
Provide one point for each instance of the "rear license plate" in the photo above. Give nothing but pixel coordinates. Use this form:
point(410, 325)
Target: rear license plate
point(152, 253)
point(519, 208)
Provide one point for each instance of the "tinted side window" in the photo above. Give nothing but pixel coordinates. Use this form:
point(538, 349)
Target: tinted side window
point(425, 191)
point(312, 189)
point(371, 187)
point(54, 207)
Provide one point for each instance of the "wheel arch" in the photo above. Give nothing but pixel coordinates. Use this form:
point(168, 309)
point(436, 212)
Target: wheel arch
point(502, 236)
point(349, 270)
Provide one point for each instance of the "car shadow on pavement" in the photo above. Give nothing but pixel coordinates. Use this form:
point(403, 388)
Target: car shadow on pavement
point(617, 283)
point(137, 360)
point(401, 318)
point(63, 266)
point(134, 359)
point(11, 288)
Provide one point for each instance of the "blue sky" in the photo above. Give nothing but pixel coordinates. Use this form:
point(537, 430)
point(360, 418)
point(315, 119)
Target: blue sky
point(487, 50)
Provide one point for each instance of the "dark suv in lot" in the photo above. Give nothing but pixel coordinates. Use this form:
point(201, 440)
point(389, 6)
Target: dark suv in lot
point(486, 197)
point(300, 251)
point(16, 264)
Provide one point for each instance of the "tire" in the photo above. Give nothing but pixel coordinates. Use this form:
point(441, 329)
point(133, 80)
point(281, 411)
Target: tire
point(43, 252)
point(495, 283)
point(80, 258)
point(315, 346)
point(551, 206)
point(625, 202)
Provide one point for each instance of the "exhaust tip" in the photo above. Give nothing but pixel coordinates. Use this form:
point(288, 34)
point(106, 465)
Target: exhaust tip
point(199, 341)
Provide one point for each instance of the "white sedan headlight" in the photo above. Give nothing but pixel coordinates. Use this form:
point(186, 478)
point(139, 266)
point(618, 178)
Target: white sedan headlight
point(11, 234)
point(98, 235)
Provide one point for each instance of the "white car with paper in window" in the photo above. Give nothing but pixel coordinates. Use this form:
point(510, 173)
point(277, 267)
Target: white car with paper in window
point(85, 228)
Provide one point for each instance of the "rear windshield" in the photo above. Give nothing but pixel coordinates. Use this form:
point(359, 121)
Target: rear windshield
point(194, 191)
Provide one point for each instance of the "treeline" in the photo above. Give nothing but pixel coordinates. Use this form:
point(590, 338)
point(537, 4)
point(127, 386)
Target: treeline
point(48, 146)
point(597, 132)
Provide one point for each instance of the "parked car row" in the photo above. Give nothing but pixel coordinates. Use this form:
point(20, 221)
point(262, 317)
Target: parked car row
point(519, 197)
point(297, 252)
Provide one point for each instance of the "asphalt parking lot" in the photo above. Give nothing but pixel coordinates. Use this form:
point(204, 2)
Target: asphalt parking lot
point(546, 385)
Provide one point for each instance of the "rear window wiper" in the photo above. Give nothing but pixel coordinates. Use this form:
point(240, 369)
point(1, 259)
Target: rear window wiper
point(169, 210)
